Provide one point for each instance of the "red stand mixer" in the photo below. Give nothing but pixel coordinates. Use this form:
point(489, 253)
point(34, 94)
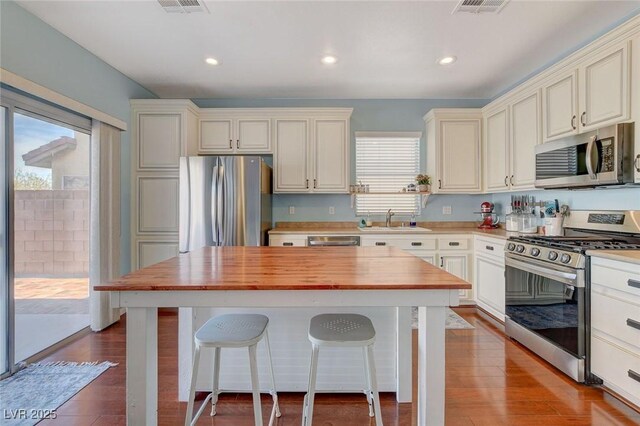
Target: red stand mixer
point(489, 220)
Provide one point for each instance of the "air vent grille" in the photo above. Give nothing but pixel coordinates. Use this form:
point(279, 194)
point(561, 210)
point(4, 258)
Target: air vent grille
point(183, 6)
point(480, 6)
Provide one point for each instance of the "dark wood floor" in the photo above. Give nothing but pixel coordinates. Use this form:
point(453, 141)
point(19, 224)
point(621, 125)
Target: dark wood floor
point(490, 381)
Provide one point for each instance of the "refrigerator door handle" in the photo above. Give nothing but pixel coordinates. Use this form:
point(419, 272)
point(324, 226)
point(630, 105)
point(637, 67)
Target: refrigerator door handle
point(220, 205)
point(214, 213)
point(185, 201)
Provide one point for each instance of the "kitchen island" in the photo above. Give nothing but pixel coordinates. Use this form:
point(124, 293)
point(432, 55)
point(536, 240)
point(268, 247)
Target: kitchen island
point(275, 277)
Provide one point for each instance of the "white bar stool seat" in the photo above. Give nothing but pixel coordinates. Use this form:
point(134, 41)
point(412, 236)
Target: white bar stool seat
point(232, 331)
point(343, 330)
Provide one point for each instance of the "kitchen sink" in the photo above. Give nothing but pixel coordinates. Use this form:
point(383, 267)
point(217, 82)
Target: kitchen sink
point(393, 229)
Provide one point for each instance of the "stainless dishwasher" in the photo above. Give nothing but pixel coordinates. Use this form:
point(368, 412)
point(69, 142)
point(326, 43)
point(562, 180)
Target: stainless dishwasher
point(333, 240)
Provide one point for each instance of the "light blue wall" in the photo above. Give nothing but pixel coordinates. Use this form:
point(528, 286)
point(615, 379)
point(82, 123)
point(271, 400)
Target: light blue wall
point(34, 50)
point(368, 115)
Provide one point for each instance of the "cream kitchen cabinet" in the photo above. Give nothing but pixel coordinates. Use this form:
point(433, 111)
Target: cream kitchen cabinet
point(458, 264)
point(289, 240)
point(312, 153)
point(594, 94)
point(233, 131)
point(615, 325)
point(512, 130)
point(488, 275)
point(496, 156)
point(454, 155)
point(162, 132)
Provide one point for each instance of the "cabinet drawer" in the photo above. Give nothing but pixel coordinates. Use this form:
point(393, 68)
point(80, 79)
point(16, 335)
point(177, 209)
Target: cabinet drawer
point(453, 243)
point(615, 317)
point(288, 240)
point(490, 247)
point(405, 242)
point(618, 368)
point(620, 276)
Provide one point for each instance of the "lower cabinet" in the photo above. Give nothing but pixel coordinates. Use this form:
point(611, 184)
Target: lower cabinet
point(288, 240)
point(615, 326)
point(489, 275)
point(458, 264)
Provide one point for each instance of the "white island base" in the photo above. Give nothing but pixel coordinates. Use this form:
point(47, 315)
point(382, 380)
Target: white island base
point(339, 369)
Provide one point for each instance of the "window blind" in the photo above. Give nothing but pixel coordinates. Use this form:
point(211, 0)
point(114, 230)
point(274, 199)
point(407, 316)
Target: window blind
point(387, 163)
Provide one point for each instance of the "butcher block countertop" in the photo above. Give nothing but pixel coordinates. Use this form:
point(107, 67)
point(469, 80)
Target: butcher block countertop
point(350, 228)
point(287, 268)
point(631, 256)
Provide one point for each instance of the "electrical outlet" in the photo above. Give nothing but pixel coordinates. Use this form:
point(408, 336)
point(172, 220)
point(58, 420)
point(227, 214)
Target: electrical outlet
point(332, 210)
point(446, 209)
point(292, 210)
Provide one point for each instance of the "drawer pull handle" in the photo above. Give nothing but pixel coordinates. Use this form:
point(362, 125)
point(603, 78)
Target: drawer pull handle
point(634, 283)
point(381, 243)
point(635, 376)
point(454, 243)
point(489, 247)
point(287, 244)
point(633, 323)
point(416, 243)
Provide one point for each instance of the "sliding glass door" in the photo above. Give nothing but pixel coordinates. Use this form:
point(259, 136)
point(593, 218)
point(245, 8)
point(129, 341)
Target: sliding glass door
point(45, 218)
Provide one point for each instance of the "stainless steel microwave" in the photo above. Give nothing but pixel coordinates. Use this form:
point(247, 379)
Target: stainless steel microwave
point(603, 157)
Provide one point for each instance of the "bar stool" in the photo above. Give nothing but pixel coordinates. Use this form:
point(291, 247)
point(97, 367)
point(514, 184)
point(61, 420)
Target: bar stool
point(232, 331)
point(343, 330)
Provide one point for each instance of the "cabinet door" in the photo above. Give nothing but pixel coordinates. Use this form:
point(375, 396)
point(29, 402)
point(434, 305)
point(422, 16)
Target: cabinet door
point(497, 150)
point(456, 264)
point(490, 286)
point(560, 107)
point(459, 158)
point(291, 165)
point(604, 95)
point(525, 135)
point(331, 156)
point(216, 135)
point(253, 136)
point(159, 141)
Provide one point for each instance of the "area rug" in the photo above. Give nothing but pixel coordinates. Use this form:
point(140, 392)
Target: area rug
point(35, 392)
point(453, 321)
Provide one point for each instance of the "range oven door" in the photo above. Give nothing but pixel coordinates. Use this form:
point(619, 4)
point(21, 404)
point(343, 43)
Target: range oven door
point(548, 301)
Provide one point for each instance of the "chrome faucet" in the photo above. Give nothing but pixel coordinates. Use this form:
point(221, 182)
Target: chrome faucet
point(387, 222)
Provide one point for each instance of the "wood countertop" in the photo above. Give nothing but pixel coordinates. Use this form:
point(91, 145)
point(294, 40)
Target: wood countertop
point(289, 268)
point(631, 256)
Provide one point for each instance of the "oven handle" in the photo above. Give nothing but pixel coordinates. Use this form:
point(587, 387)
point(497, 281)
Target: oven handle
point(563, 277)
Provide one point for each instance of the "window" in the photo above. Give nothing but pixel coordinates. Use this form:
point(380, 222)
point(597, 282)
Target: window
point(387, 162)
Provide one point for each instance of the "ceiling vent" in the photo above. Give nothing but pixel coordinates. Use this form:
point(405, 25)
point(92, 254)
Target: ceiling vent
point(480, 6)
point(184, 6)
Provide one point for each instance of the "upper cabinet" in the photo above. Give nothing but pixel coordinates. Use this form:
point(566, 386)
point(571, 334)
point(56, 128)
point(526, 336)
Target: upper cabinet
point(560, 106)
point(512, 131)
point(496, 155)
point(525, 131)
point(604, 88)
point(235, 131)
point(312, 152)
point(593, 94)
point(454, 150)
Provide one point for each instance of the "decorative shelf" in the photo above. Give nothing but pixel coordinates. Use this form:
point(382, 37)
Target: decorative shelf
point(424, 196)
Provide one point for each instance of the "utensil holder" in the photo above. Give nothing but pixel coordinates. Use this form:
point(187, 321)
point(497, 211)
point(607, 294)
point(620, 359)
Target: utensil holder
point(553, 226)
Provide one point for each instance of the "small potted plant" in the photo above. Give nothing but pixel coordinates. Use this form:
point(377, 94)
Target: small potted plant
point(424, 183)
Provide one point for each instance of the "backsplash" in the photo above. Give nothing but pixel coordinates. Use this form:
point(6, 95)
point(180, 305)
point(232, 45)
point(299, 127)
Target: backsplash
point(316, 208)
point(624, 198)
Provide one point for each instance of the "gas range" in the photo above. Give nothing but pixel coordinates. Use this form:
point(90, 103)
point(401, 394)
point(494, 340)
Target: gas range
point(547, 288)
point(584, 231)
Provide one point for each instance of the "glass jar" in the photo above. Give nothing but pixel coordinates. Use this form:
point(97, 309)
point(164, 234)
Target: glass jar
point(528, 223)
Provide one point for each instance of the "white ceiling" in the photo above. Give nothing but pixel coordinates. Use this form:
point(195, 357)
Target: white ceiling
point(273, 49)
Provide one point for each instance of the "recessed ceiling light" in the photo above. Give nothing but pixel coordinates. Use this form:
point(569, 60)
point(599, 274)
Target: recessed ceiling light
point(447, 60)
point(329, 60)
point(212, 61)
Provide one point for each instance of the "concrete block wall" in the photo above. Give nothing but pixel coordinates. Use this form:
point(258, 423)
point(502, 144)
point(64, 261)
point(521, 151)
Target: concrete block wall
point(51, 233)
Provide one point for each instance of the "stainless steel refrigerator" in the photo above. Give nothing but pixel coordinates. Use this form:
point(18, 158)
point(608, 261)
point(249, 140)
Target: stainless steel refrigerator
point(224, 201)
